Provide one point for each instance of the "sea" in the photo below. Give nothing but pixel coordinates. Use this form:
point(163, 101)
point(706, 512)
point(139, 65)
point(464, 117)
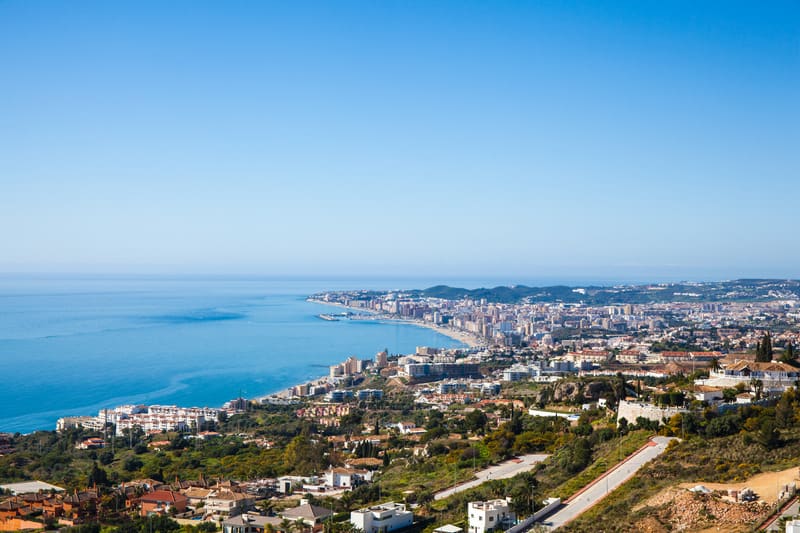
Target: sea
point(75, 345)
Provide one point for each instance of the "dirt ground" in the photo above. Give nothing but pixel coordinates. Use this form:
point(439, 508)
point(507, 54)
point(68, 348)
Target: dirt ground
point(681, 510)
point(765, 485)
point(677, 509)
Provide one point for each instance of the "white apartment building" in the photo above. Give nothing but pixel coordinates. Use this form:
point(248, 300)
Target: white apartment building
point(157, 418)
point(150, 419)
point(86, 422)
point(491, 515)
point(382, 518)
point(151, 423)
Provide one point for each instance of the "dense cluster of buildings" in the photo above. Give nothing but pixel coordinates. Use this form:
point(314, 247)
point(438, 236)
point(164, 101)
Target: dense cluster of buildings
point(150, 419)
point(709, 325)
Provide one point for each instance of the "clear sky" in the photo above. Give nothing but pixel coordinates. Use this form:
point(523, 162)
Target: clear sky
point(460, 138)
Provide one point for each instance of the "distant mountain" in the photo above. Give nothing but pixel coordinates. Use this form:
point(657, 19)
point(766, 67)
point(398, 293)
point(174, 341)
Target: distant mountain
point(719, 291)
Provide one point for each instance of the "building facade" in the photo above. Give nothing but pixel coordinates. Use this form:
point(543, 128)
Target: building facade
point(382, 518)
point(492, 515)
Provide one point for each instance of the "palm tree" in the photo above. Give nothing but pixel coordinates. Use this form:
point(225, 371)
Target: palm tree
point(758, 387)
point(267, 506)
point(285, 525)
point(346, 500)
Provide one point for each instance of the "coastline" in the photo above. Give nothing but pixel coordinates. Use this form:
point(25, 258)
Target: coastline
point(285, 392)
point(471, 340)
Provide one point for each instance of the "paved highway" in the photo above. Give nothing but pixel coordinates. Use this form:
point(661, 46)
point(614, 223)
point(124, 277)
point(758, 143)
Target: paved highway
point(504, 470)
point(606, 483)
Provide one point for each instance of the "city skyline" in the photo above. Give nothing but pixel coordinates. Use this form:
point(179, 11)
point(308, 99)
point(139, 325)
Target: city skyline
point(523, 141)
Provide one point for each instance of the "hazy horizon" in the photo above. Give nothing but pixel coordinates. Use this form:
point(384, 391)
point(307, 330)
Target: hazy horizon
point(375, 282)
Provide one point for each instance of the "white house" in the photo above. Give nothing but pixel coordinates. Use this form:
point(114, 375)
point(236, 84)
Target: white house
point(346, 477)
point(406, 427)
point(774, 376)
point(382, 518)
point(704, 393)
point(490, 516)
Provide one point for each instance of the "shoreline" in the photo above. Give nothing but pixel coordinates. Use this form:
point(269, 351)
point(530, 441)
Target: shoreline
point(464, 337)
point(470, 340)
point(285, 393)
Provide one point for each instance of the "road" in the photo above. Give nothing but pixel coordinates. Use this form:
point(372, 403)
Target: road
point(508, 469)
point(603, 485)
point(792, 508)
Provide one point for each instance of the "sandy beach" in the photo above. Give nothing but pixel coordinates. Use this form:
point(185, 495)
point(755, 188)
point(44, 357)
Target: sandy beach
point(473, 341)
point(462, 336)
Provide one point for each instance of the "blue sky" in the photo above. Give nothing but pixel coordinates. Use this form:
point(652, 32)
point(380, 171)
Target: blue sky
point(530, 139)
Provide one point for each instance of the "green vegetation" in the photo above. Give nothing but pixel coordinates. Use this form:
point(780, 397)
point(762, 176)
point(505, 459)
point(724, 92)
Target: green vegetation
point(605, 458)
point(744, 290)
point(730, 444)
point(719, 447)
point(764, 349)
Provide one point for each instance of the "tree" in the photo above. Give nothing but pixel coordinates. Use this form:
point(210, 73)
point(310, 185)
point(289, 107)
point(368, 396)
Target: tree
point(178, 442)
point(575, 456)
point(729, 395)
point(784, 413)
point(722, 426)
point(97, 476)
point(764, 349)
point(620, 387)
point(153, 523)
point(132, 463)
point(267, 506)
point(757, 386)
point(788, 355)
point(476, 420)
point(435, 420)
point(768, 435)
point(521, 492)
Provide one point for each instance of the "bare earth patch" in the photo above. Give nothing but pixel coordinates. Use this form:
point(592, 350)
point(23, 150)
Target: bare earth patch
point(677, 509)
point(765, 485)
point(687, 511)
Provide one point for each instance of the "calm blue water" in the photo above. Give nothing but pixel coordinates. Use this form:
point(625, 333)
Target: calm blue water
point(75, 346)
